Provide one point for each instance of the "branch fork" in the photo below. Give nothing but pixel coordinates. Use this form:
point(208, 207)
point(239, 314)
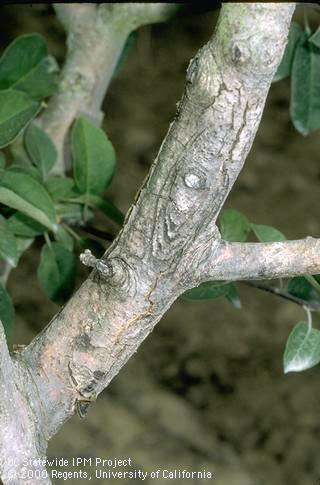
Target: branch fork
point(172, 221)
point(96, 35)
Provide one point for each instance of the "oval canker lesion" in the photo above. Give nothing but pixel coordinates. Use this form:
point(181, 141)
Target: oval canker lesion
point(187, 190)
point(192, 180)
point(186, 196)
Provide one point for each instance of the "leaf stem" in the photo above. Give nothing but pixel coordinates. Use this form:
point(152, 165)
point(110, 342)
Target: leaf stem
point(72, 232)
point(104, 205)
point(306, 21)
point(47, 239)
point(107, 236)
point(309, 317)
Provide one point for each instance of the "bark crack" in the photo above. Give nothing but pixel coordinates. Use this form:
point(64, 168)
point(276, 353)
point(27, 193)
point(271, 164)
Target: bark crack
point(169, 240)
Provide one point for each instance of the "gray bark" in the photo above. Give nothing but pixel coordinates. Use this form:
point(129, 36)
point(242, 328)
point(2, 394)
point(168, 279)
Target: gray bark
point(96, 37)
point(170, 241)
point(21, 434)
point(238, 261)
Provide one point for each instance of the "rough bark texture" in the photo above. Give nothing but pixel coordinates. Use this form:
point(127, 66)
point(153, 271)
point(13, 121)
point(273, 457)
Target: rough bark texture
point(238, 261)
point(169, 241)
point(20, 434)
point(96, 37)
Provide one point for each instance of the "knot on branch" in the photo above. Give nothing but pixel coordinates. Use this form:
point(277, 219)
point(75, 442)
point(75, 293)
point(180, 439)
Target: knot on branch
point(255, 55)
point(250, 41)
point(118, 272)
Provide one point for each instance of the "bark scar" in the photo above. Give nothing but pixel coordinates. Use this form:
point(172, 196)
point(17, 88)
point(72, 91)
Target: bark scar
point(81, 402)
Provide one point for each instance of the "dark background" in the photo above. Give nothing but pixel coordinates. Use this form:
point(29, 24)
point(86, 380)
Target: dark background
point(206, 390)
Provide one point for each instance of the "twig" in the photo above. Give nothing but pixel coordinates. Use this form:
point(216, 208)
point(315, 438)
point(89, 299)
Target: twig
point(283, 294)
point(237, 261)
point(107, 236)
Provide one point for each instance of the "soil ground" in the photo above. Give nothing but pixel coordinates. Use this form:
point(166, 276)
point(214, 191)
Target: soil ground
point(206, 390)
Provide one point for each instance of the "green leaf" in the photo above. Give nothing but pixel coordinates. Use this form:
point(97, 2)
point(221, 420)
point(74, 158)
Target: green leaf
point(305, 87)
point(6, 311)
point(18, 152)
point(59, 187)
point(93, 157)
point(23, 243)
point(71, 212)
point(56, 272)
point(315, 38)
point(106, 207)
point(316, 277)
point(63, 237)
point(208, 291)
point(2, 160)
point(23, 226)
point(233, 296)
point(31, 171)
point(25, 194)
point(26, 66)
point(301, 288)
point(214, 289)
point(8, 246)
point(267, 233)
point(284, 68)
point(40, 149)
point(314, 282)
point(234, 225)
point(16, 110)
point(302, 349)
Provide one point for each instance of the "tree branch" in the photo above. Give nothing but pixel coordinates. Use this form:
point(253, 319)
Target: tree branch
point(245, 261)
point(70, 15)
point(170, 229)
point(20, 438)
point(96, 37)
point(171, 225)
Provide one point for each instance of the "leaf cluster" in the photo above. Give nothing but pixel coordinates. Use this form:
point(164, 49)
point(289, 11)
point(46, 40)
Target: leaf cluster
point(34, 203)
